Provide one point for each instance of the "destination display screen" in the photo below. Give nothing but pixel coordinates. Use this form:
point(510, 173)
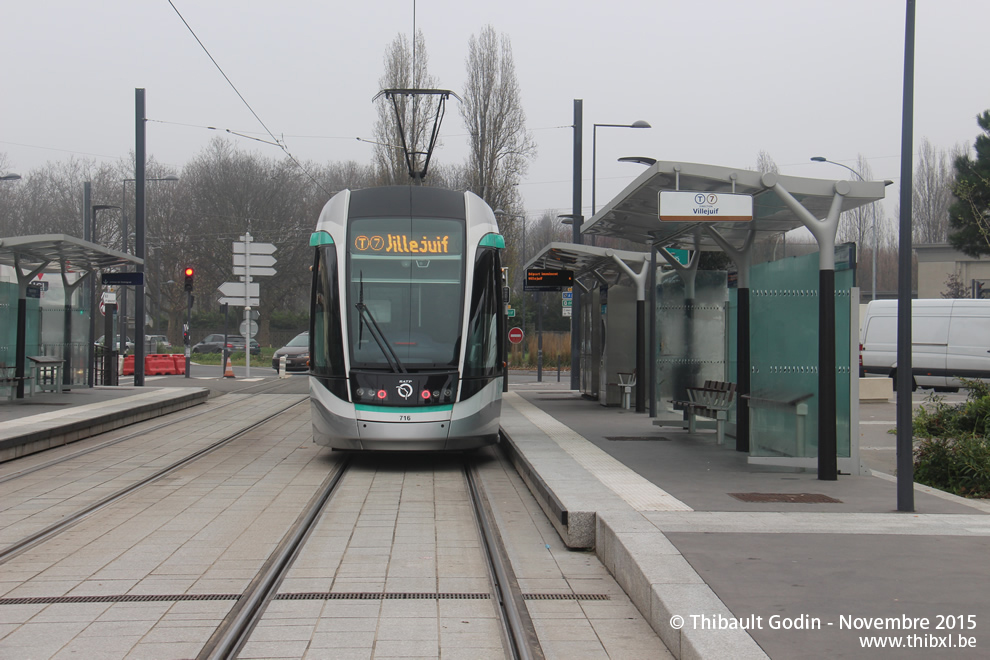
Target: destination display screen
point(405, 238)
point(543, 279)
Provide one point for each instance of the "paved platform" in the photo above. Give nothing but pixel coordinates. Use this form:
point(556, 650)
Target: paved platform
point(50, 419)
point(713, 574)
point(666, 511)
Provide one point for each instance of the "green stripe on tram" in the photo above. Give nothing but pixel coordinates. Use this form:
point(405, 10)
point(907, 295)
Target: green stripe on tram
point(403, 409)
point(492, 240)
point(320, 238)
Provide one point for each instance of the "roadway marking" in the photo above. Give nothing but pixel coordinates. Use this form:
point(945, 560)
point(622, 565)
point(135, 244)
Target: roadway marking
point(639, 493)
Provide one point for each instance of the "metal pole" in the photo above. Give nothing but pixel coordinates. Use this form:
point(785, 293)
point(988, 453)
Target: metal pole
point(539, 341)
point(652, 353)
point(247, 308)
point(577, 219)
point(905, 463)
point(187, 335)
point(827, 461)
point(594, 166)
point(876, 244)
point(139, 208)
point(90, 286)
point(123, 289)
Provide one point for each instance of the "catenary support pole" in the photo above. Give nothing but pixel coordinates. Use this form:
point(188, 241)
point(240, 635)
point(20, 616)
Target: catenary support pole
point(905, 465)
point(139, 219)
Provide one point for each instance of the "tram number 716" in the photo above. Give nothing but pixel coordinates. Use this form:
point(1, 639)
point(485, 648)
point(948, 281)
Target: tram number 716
point(405, 418)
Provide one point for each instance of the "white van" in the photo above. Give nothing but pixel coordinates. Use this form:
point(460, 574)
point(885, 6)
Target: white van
point(950, 339)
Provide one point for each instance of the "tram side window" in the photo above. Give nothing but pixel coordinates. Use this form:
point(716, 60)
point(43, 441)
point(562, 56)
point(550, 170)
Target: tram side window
point(327, 349)
point(482, 357)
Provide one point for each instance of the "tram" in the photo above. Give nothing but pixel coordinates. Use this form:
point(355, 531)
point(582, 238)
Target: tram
point(407, 328)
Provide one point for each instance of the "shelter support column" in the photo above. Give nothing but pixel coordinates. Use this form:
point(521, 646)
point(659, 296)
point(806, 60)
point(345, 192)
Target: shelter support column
point(20, 350)
point(742, 258)
point(69, 290)
point(824, 232)
point(640, 280)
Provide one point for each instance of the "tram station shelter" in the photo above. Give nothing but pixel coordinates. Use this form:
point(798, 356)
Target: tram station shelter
point(785, 333)
point(45, 315)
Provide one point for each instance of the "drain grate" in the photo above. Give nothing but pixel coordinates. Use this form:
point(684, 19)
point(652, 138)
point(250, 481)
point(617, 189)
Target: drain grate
point(125, 598)
point(638, 438)
point(370, 595)
point(566, 597)
point(314, 595)
point(793, 498)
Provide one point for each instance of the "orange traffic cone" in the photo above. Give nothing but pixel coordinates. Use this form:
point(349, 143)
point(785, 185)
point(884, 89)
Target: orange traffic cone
point(229, 373)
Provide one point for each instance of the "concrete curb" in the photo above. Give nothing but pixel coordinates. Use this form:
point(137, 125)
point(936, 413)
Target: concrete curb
point(652, 572)
point(31, 435)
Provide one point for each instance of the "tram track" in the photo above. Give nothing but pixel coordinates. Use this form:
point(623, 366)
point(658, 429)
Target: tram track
point(518, 634)
point(73, 518)
point(134, 434)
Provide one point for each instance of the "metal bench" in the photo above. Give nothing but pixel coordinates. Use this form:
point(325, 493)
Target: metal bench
point(712, 402)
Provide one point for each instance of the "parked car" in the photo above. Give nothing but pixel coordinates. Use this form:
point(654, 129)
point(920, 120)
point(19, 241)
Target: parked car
point(157, 340)
point(296, 354)
point(128, 344)
point(235, 343)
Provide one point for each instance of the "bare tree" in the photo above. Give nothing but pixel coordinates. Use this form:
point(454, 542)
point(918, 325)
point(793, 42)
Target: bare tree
point(954, 287)
point(765, 164)
point(492, 111)
point(932, 192)
point(417, 112)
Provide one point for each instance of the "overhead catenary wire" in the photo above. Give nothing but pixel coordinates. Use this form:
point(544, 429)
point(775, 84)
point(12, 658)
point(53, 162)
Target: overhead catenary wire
point(276, 141)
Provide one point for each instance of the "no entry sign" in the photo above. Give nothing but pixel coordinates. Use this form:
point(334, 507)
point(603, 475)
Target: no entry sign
point(515, 335)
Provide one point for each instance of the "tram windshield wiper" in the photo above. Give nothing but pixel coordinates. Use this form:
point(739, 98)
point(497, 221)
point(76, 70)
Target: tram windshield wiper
point(379, 337)
point(376, 332)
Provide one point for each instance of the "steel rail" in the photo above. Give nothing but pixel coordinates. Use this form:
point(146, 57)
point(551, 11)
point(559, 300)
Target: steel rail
point(517, 627)
point(56, 528)
point(235, 630)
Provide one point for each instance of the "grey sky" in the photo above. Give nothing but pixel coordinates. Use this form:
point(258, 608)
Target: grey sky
point(718, 80)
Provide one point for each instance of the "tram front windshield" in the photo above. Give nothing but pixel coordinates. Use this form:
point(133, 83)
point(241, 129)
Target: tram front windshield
point(406, 290)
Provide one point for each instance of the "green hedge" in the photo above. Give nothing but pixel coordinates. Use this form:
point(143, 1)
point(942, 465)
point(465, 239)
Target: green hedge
point(954, 453)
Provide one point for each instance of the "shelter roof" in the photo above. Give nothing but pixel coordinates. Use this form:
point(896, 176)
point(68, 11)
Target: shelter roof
point(634, 213)
point(586, 259)
point(77, 254)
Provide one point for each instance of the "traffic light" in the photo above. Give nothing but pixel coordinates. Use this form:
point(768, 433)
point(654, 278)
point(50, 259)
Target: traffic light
point(189, 272)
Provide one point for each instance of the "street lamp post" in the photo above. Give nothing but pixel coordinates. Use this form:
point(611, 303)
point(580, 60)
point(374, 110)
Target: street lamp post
point(594, 144)
point(123, 245)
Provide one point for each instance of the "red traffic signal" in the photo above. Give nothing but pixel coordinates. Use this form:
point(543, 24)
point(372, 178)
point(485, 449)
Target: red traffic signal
point(189, 272)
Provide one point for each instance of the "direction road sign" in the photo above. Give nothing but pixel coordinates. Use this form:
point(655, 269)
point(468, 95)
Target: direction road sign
point(240, 302)
point(240, 289)
point(515, 335)
point(567, 303)
point(256, 248)
point(256, 271)
point(241, 259)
